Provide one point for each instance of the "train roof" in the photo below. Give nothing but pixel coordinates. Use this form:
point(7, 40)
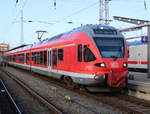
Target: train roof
point(88, 29)
point(85, 28)
point(143, 40)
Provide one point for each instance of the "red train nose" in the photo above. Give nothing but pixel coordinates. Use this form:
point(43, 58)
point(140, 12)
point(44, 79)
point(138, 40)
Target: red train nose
point(117, 79)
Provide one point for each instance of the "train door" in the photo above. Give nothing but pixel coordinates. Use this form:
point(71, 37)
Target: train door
point(49, 58)
point(54, 58)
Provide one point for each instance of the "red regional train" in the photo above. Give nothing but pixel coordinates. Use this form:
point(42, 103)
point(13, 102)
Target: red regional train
point(91, 55)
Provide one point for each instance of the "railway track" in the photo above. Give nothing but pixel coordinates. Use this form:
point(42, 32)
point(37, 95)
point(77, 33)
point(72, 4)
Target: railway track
point(37, 96)
point(122, 102)
point(7, 103)
point(127, 103)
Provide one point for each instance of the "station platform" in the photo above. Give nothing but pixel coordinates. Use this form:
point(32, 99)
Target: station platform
point(139, 85)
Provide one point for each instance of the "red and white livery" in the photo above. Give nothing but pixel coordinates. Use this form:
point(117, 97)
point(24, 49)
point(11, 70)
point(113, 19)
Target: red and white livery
point(91, 55)
point(138, 54)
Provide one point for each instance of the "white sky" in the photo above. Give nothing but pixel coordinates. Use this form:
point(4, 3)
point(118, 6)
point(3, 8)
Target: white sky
point(45, 17)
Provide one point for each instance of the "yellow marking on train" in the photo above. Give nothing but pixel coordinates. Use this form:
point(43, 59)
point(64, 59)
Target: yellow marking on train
point(58, 46)
point(63, 46)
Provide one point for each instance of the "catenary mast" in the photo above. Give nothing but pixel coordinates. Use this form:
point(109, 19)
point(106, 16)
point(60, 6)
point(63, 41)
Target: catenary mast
point(104, 12)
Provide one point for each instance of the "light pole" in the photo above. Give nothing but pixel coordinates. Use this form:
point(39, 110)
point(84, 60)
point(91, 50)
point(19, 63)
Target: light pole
point(22, 32)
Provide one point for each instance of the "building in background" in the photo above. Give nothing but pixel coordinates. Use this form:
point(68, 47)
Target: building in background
point(4, 47)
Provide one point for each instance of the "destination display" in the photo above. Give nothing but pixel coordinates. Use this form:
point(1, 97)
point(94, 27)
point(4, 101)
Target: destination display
point(104, 31)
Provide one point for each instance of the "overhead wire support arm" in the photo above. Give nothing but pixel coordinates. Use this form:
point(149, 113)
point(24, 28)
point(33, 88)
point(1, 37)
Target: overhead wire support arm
point(131, 20)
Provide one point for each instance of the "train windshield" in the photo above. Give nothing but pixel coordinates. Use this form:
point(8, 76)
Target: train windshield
point(110, 47)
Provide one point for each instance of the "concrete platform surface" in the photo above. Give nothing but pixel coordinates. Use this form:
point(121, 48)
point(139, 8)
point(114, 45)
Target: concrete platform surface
point(139, 85)
point(140, 78)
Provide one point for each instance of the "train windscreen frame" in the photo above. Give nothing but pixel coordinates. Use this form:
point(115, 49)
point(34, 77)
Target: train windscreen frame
point(110, 47)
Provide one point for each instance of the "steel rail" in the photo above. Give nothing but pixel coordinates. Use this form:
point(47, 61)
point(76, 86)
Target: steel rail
point(134, 100)
point(50, 106)
point(13, 102)
point(107, 101)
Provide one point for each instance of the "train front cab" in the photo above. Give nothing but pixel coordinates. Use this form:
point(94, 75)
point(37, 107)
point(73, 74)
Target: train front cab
point(102, 63)
point(99, 62)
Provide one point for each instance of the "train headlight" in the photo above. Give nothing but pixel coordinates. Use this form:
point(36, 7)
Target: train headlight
point(102, 65)
point(125, 65)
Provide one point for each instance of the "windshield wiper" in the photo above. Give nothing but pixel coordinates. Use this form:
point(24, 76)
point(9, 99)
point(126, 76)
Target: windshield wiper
point(114, 57)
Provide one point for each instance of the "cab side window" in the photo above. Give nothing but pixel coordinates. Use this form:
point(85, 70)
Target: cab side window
point(88, 55)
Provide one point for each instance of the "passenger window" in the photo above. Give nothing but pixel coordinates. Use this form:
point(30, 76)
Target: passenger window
point(27, 57)
point(60, 54)
point(54, 58)
point(14, 58)
point(88, 55)
point(45, 58)
point(34, 57)
point(38, 58)
point(80, 53)
point(21, 58)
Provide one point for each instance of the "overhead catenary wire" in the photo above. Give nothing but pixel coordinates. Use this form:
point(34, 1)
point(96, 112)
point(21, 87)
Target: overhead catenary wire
point(15, 16)
point(76, 13)
point(79, 11)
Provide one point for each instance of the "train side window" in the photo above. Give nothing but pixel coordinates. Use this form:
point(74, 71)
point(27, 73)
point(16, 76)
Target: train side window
point(14, 58)
point(88, 55)
point(34, 57)
point(60, 54)
point(38, 58)
point(45, 58)
point(41, 58)
point(27, 57)
point(21, 58)
point(80, 53)
point(54, 58)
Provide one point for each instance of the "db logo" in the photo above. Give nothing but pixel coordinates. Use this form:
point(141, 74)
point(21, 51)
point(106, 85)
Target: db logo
point(114, 65)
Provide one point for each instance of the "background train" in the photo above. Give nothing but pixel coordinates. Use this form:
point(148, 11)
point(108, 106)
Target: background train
point(91, 55)
point(138, 54)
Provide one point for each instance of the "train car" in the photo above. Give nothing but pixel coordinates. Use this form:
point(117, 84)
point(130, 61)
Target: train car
point(138, 54)
point(1, 58)
point(91, 55)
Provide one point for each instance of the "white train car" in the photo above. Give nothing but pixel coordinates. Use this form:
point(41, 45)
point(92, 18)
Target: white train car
point(138, 54)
